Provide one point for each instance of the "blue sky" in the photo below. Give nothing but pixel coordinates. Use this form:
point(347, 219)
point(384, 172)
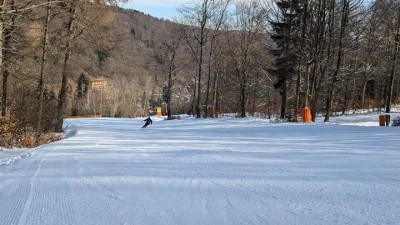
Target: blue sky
point(159, 8)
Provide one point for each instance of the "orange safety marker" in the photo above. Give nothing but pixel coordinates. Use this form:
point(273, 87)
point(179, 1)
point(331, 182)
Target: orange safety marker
point(158, 111)
point(306, 115)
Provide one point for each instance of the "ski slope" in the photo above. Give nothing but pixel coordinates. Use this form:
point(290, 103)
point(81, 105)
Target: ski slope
point(206, 171)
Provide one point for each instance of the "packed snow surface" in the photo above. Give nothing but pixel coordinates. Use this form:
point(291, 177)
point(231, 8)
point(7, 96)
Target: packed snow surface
point(206, 171)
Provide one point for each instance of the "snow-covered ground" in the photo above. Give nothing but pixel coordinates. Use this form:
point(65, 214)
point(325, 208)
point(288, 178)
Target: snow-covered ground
point(206, 171)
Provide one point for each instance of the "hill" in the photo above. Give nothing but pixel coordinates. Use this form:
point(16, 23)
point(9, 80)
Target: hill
point(120, 48)
point(128, 52)
point(116, 62)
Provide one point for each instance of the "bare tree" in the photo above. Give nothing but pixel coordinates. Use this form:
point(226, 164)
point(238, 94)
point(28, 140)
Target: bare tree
point(171, 50)
point(243, 43)
point(395, 34)
point(7, 11)
point(10, 11)
point(199, 17)
point(43, 63)
point(74, 12)
point(217, 21)
point(334, 79)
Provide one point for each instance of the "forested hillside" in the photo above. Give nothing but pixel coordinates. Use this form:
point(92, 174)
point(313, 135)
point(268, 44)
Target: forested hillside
point(263, 58)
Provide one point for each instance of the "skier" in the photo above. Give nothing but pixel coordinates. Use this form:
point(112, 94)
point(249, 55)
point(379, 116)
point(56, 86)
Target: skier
point(148, 121)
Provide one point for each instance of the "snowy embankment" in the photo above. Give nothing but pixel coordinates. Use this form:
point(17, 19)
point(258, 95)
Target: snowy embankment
point(224, 171)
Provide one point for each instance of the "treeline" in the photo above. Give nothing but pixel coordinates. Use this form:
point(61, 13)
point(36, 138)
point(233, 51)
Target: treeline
point(276, 57)
point(262, 58)
point(37, 39)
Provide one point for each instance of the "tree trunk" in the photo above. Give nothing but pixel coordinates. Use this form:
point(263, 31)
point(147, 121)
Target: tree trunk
point(3, 37)
point(216, 95)
point(390, 86)
point(297, 106)
point(243, 95)
point(302, 59)
point(199, 73)
point(322, 50)
point(208, 79)
point(171, 70)
point(283, 91)
point(65, 73)
point(194, 97)
point(42, 65)
point(364, 89)
point(346, 96)
point(6, 53)
point(332, 88)
point(169, 90)
point(4, 96)
point(255, 92)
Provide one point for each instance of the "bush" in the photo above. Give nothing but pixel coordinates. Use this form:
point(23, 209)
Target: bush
point(14, 134)
point(46, 138)
point(25, 109)
point(26, 141)
point(8, 130)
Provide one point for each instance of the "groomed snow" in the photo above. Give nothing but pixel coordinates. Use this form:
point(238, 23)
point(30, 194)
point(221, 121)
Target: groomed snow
point(206, 171)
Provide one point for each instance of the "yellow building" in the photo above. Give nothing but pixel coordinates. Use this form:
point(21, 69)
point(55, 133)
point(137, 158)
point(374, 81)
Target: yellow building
point(98, 83)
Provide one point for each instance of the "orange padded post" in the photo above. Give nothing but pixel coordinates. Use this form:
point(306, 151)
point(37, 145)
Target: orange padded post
point(306, 115)
point(158, 111)
point(382, 120)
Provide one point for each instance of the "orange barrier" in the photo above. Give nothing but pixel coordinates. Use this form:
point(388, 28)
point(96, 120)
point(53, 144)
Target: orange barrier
point(306, 115)
point(384, 120)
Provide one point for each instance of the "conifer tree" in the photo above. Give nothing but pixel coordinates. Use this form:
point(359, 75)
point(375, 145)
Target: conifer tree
point(285, 28)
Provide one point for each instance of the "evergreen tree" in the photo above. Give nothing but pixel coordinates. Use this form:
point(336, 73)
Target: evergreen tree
point(83, 86)
point(286, 37)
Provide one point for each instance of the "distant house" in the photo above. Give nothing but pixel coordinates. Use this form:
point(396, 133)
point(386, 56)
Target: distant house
point(98, 83)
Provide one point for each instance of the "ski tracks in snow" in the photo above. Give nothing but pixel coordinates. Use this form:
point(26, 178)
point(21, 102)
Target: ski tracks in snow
point(172, 173)
point(28, 196)
point(24, 216)
point(216, 200)
point(44, 200)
